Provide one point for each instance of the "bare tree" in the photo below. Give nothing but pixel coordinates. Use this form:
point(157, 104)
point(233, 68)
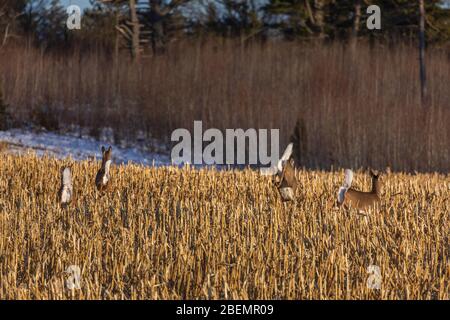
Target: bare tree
point(145, 21)
point(356, 24)
point(135, 38)
point(162, 16)
point(127, 25)
point(9, 12)
point(319, 16)
point(423, 84)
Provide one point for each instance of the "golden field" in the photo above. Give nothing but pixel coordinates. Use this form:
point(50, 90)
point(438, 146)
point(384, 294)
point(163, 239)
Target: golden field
point(170, 233)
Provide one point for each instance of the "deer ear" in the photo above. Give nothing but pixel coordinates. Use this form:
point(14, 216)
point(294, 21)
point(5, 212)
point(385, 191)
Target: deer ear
point(374, 173)
point(103, 149)
point(109, 149)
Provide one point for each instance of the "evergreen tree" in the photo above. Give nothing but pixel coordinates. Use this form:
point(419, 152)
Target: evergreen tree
point(347, 18)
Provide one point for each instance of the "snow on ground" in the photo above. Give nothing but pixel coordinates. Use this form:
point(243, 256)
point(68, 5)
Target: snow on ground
point(19, 141)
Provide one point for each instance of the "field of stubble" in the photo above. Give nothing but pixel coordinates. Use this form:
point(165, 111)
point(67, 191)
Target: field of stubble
point(170, 233)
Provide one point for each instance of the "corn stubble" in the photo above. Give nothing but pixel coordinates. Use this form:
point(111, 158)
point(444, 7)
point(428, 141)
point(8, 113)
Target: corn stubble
point(170, 233)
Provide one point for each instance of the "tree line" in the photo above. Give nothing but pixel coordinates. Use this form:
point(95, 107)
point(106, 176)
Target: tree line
point(150, 25)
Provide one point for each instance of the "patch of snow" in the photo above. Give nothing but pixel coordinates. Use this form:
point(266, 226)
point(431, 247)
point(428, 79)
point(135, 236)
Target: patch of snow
point(79, 148)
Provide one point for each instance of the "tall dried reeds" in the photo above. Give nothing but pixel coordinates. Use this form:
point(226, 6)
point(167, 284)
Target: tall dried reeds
point(359, 109)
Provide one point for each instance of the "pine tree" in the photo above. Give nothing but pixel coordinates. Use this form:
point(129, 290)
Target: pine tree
point(347, 18)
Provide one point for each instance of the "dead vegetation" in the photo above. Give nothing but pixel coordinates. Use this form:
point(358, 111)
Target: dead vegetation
point(354, 109)
point(170, 233)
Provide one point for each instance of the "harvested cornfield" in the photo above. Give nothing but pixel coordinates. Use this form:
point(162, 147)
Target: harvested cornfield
point(171, 233)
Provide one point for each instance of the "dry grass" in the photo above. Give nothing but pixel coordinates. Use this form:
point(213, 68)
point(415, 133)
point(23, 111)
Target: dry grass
point(359, 110)
point(168, 233)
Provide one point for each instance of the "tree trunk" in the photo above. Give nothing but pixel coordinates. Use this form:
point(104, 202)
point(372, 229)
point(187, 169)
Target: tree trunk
point(117, 37)
point(156, 19)
point(423, 84)
point(356, 24)
point(319, 16)
point(5, 37)
point(135, 50)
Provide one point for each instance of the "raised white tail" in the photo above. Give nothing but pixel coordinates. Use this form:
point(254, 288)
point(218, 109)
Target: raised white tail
point(347, 184)
point(66, 186)
point(106, 176)
point(278, 168)
point(285, 157)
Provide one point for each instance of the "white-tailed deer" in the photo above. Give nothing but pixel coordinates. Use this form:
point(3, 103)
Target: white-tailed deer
point(349, 197)
point(66, 190)
point(103, 176)
point(287, 182)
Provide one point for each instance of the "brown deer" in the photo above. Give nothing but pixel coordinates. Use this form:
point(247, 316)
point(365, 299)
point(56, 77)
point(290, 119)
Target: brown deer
point(103, 176)
point(349, 197)
point(66, 190)
point(287, 182)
